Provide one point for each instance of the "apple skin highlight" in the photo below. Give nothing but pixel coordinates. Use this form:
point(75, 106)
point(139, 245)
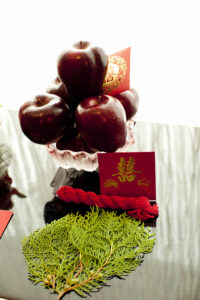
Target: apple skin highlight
point(45, 118)
point(130, 101)
point(101, 121)
point(83, 69)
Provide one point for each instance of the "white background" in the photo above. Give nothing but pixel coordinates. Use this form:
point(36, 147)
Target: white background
point(164, 36)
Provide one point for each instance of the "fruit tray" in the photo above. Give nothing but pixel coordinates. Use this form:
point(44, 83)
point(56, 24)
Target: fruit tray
point(87, 161)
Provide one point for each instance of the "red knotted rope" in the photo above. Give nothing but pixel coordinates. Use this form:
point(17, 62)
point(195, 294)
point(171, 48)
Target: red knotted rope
point(137, 207)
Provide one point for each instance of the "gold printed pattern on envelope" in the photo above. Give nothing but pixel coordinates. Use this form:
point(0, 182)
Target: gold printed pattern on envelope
point(110, 183)
point(117, 69)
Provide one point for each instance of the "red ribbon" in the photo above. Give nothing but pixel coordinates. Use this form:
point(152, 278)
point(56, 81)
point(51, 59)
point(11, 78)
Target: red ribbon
point(136, 207)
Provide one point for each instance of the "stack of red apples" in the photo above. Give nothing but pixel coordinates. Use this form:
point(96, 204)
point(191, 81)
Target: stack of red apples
point(74, 112)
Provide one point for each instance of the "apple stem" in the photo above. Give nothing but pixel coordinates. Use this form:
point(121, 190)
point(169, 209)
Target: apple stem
point(99, 98)
point(81, 44)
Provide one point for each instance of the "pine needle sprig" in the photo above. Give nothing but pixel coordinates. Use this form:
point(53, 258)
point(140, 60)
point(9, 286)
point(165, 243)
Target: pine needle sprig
point(81, 253)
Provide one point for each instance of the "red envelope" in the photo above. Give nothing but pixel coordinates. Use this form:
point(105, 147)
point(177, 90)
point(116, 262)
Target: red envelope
point(5, 217)
point(128, 174)
point(117, 79)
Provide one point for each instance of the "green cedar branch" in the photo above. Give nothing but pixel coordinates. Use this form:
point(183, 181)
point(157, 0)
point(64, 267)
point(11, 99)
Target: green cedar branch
point(81, 253)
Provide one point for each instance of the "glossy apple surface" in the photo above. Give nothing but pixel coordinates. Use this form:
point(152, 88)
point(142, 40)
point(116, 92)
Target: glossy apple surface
point(130, 101)
point(82, 69)
point(58, 88)
point(44, 118)
point(101, 121)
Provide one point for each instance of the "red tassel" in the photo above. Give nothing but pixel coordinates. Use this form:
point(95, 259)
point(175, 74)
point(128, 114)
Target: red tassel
point(149, 212)
point(137, 207)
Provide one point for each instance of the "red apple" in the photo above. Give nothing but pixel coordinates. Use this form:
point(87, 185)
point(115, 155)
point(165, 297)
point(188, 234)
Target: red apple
point(44, 118)
point(82, 69)
point(101, 121)
point(58, 88)
point(74, 143)
point(130, 101)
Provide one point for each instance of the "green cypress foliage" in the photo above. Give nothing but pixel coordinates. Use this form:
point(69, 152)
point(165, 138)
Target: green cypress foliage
point(81, 253)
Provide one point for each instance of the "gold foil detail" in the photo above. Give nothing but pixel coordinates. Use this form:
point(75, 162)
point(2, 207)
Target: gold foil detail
point(110, 183)
point(116, 73)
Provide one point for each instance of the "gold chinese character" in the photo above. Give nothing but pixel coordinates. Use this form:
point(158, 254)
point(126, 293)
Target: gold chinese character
point(126, 170)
